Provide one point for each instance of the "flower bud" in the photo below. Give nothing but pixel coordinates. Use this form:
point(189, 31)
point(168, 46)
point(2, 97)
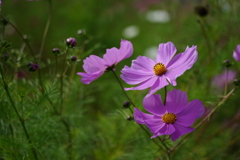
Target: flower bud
point(71, 42)
point(126, 104)
point(73, 58)
point(56, 51)
point(4, 22)
point(80, 32)
point(227, 63)
point(236, 82)
point(32, 67)
point(202, 11)
point(129, 118)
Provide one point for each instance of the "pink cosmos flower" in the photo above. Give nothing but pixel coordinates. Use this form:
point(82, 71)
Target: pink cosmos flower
point(174, 118)
point(95, 66)
point(159, 73)
point(236, 53)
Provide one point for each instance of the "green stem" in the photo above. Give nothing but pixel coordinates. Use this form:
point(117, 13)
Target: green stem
point(206, 118)
point(154, 140)
point(46, 29)
point(61, 82)
point(226, 83)
point(31, 51)
point(165, 98)
point(18, 115)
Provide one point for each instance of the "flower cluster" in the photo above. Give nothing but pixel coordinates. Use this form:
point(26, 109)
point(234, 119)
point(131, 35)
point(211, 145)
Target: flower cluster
point(172, 117)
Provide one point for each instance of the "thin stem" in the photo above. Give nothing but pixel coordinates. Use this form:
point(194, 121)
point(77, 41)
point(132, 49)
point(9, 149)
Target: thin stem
point(21, 35)
point(154, 140)
point(61, 82)
point(226, 83)
point(46, 29)
point(206, 118)
point(165, 91)
point(123, 90)
point(18, 115)
point(31, 51)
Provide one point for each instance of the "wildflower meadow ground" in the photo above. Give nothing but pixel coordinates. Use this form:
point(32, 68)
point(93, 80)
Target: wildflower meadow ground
point(117, 80)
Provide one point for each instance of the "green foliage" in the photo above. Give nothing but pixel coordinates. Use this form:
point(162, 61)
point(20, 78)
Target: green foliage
point(50, 114)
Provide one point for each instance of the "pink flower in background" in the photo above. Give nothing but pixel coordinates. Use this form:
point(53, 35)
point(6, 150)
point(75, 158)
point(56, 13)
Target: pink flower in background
point(95, 66)
point(174, 118)
point(159, 73)
point(226, 77)
point(236, 53)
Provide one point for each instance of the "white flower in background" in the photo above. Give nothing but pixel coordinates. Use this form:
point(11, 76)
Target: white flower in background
point(151, 52)
point(224, 5)
point(158, 16)
point(130, 31)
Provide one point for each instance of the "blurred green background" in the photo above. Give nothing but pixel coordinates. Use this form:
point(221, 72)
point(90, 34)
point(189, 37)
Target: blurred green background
point(99, 128)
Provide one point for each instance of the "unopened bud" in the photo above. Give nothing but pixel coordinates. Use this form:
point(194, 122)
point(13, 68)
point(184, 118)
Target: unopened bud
point(56, 51)
point(126, 104)
point(32, 67)
point(71, 42)
point(73, 58)
point(236, 82)
point(129, 118)
point(202, 11)
point(227, 63)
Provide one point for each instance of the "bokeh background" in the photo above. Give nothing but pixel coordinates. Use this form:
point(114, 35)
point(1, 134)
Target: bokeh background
point(99, 126)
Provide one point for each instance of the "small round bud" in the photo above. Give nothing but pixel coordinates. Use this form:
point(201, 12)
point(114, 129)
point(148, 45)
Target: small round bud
point(71, 42)
point(129, 118)
point(202, 11)
point(80, 32)
point(32, 67)
point(126, 104)
point(26, 37)
point(227, 63)
point(56, 51)
point(73, 58)
point(236, 82)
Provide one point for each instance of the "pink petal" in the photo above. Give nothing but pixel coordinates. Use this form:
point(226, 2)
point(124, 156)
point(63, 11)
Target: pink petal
point(87, 78)
point(154, 124)
point(194, 109)
point(153, 104)
point(111, 56)
point(159, 83)
point(180, 63)
point(146, 84)
point(167, 129)
point(165, 53)
point(179, 131)
point(132, 76)
point(140, 117)
point(176, 101)
point(125, 51)
point(143, 63)
point(93, 64)
point(236, 53)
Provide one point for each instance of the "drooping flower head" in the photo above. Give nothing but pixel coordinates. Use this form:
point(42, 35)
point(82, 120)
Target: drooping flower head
point(236, 53)
point(159, 73)
point(95, 66)
point(227, 76)
point(174, 118)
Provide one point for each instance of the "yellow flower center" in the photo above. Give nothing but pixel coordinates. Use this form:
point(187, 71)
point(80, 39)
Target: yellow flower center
point(169, 118)
point(159, 69)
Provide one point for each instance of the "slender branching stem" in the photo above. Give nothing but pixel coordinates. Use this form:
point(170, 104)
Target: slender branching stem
point(226, 82)
point(206, 118)
point(61, 81)
point(22, 121)
point(165, 95)
point(46, 29)
point(154, 140)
